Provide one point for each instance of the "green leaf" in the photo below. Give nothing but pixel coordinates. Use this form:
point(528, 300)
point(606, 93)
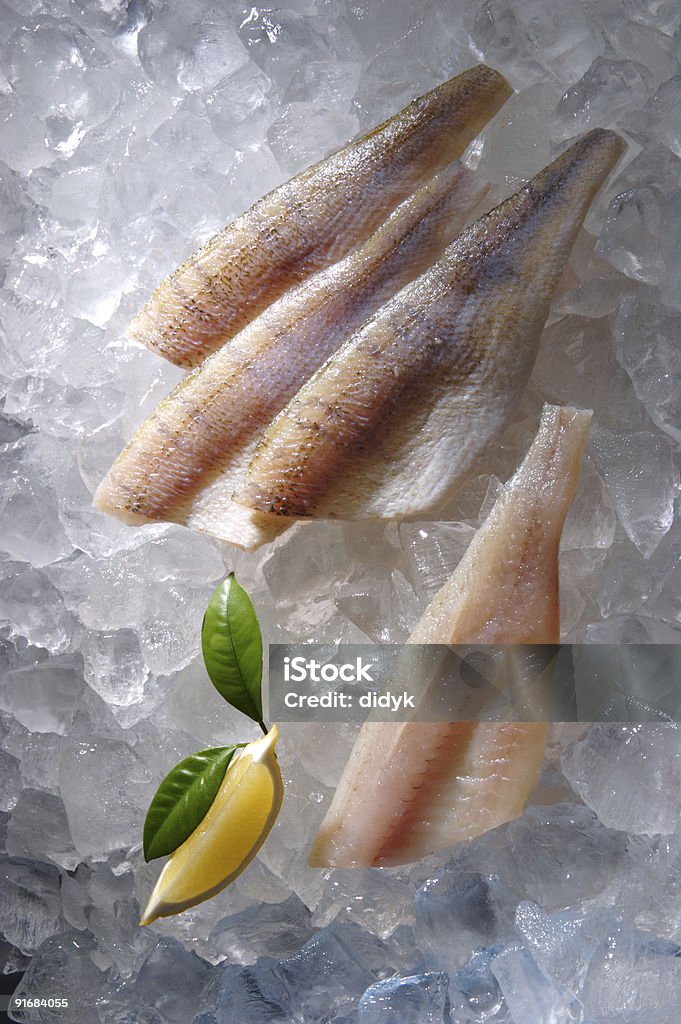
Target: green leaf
point(183, 798)
point(232, 648)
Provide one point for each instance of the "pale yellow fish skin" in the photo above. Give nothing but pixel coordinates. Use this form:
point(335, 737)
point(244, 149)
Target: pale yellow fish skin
point(185, 460)
point(313, 220)
point(411, 789)
point(394, 421)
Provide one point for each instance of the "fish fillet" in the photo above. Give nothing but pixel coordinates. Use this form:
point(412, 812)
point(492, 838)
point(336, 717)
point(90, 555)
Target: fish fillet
point(397, 417)
point(412, 788)
point(186, 459)
point(314, 219)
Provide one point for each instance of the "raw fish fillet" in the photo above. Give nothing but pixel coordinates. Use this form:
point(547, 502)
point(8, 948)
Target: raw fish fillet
point(314, 219)
point(410, 789)
point(397, 417)
point(185, 460)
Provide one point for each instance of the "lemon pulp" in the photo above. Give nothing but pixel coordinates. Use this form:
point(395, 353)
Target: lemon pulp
point(228, 838)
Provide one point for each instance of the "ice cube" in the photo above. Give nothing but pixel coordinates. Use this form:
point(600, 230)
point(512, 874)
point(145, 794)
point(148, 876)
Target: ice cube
point(564, 854)
point(10, 782)
point(95, 285)
point(17, 210)
point(660, 118)
point(190, 50)
point(626, 581)
point(276, 40)
point(630, 239)
point(564, 36)
point(190, 138)
point(590, 523)
point(119, 937)
point(106, 788)
point(39, 756)
point(498, 31)
point(76, 196)
point(625, 684)
point(298, 820)
point(52, 841)
point(255, 171)
point(29, 523)
point(304, 133)
point(596, 297)
point(330, 84)
point(561, 943)
point(113, 17)
point(24, 142)
point(195, 700)
point(656, 878)
point(432, 49)
point(629, 775)
point(517, 142)
point(114, 666)
point(632, 975)
point(574, 361)
point(42, 694)
point(433, 551)
point(171, 979)
point(63, 410)
point(371, 601)
point(655, 166)
point(639, 471)
point(419, 999)
point(603, 93)
point(671, 249)
point(30, 908)
point(377, 900)
point(312, 552)
point(279, 929)
point(644, 44)
point(474, 992)
point(326, 977)
point(529, 993)
point(34, 608)
point(663, 15)
point(241, 107)
point(244, 995)
point(56, 68)
point(169, 635)
point(377, 22)
point(631, 629)
point(64, 964)
point(456, 911)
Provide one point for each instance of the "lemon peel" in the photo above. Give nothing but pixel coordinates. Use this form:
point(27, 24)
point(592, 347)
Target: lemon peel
point(228, 838)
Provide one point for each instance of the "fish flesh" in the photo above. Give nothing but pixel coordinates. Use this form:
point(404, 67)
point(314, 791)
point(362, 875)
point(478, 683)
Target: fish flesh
point(185, 460)
point(314, 219)
point(396, 419)
point(412, 788)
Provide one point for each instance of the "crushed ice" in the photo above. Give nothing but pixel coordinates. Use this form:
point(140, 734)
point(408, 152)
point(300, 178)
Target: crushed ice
point(132, 130)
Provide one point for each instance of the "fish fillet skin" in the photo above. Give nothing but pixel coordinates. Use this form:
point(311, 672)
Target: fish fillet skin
point(396, 419)
point(314, 219)
point(185, 460)
point(412, 788)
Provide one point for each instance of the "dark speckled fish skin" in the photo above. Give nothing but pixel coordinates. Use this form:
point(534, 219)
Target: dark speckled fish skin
point(397, 417)
point(313, 220)
point(186, 458)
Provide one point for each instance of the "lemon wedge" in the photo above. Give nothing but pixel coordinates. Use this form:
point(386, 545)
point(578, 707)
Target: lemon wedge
point(228, 838)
